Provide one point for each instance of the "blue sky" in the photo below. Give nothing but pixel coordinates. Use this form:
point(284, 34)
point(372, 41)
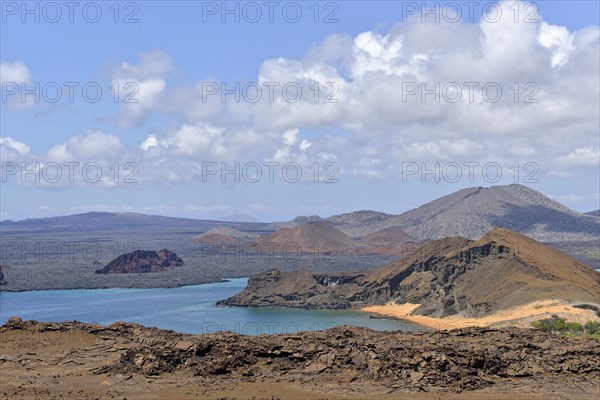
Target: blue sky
point(370, 141)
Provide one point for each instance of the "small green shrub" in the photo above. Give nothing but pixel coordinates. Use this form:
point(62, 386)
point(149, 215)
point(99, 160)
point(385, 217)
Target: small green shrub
point(567, 329)
point(552, 324)
point(592, 328)
point(593, 335)
point(573, 327)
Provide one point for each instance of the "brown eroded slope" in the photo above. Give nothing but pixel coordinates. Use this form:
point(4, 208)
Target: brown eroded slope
point(452, 276)
point(503, 269)
point(570, 278)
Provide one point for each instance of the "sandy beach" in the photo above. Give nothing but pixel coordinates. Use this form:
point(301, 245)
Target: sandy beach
point(520, 316)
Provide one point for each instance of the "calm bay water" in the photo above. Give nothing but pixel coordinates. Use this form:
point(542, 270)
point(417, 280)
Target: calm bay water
point(188, 309)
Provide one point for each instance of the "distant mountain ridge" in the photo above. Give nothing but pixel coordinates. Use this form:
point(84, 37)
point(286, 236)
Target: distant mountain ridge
point(474, 211)
point(117, 221)
point(238, 218)
point(468, 212)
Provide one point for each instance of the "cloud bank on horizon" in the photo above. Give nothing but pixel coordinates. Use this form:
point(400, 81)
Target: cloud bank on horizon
point(501, 91)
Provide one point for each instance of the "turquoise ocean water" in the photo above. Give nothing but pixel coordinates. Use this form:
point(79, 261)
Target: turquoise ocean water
point(188, 309)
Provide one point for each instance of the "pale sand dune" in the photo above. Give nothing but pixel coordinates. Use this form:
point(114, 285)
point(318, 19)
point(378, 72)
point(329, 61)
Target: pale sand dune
point(516, 316)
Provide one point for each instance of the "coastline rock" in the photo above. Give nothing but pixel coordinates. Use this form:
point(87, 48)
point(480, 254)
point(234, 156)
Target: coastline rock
point(451, 276)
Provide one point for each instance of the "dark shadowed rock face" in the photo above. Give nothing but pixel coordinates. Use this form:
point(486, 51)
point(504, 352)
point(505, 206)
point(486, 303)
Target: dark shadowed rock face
point(301, 289)
point(142, 261)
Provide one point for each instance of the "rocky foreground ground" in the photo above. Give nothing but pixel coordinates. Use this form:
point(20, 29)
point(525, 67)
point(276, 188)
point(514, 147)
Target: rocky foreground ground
point(83, 361)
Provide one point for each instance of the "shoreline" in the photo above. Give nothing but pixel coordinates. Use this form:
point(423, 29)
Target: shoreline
point(217, 280)
point(520, 316)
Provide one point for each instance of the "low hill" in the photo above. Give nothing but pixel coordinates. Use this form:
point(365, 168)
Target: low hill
point(445, 277)
point(214, 238)
point(310, 237)
point(224, 234)
point(595, 213)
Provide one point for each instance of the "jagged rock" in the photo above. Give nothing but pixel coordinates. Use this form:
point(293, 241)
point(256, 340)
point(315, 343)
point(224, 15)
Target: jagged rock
point(416, 376)
point(14, 323)
point(142, 261)
point(466, 359)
